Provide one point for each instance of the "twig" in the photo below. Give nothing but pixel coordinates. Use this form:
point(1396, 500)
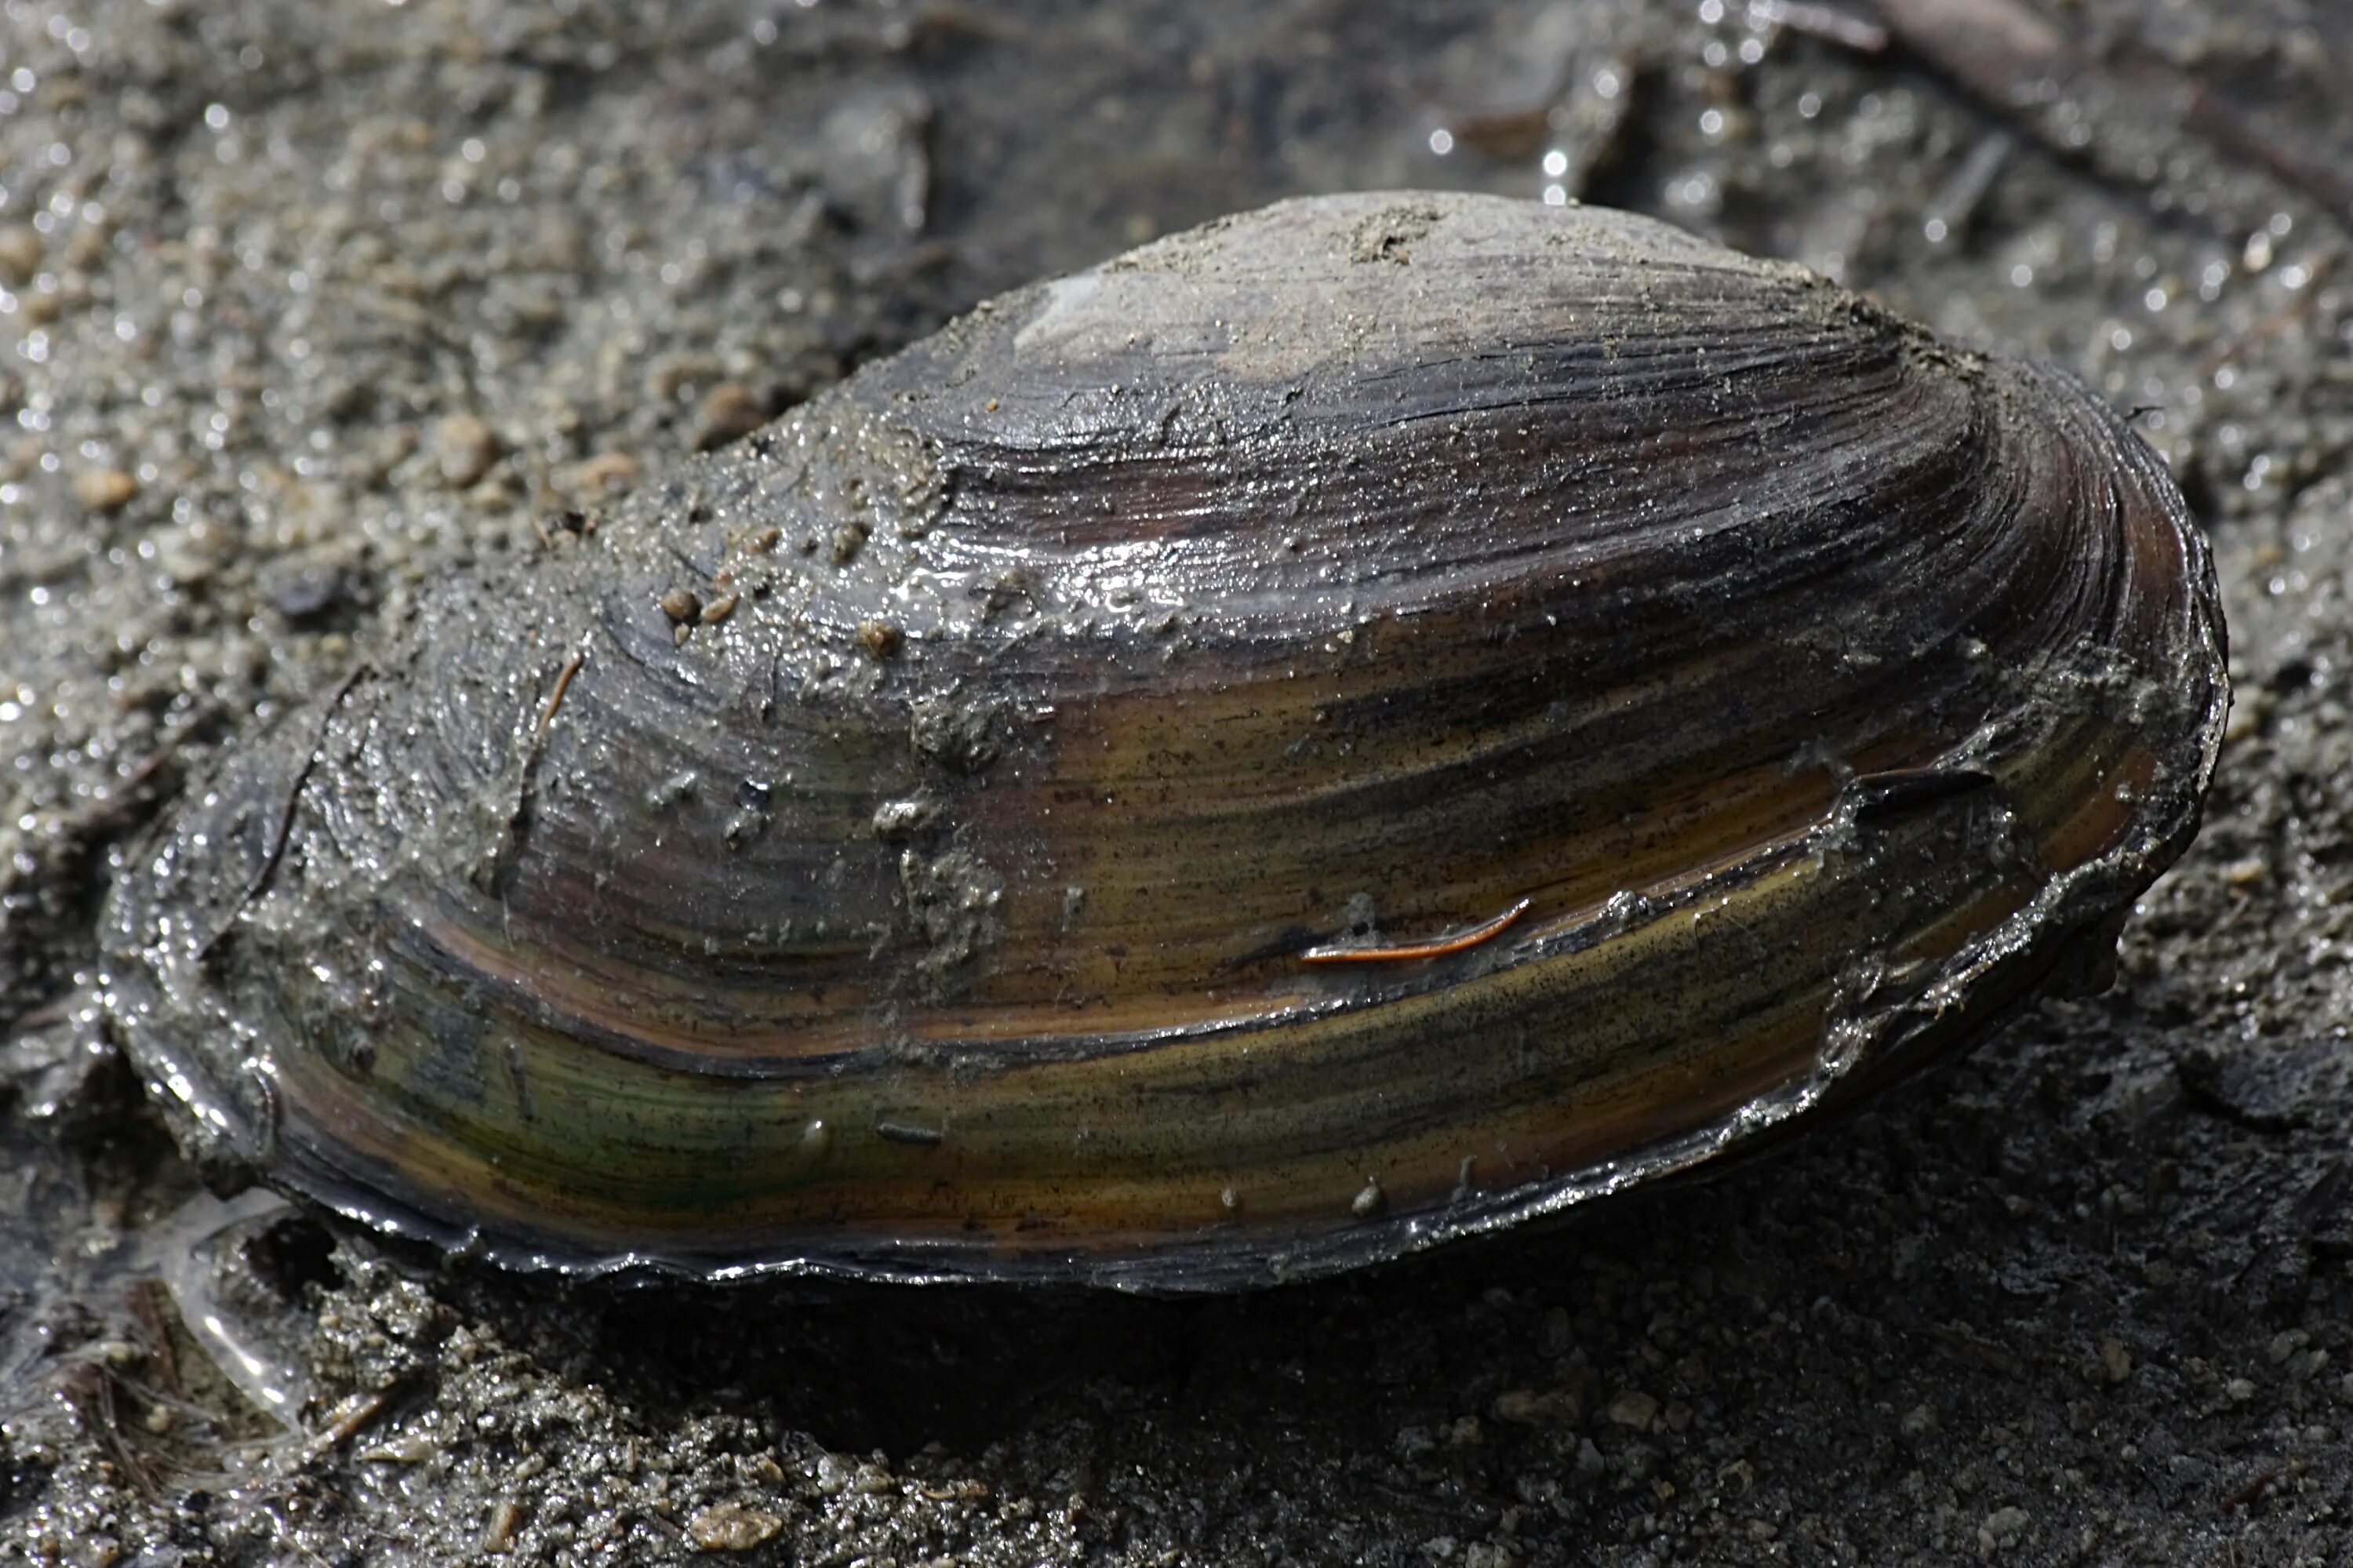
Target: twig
point(562, 685)
point(285, 831)
point(1437, 947)
point(2008, 54)
point(1824, 22)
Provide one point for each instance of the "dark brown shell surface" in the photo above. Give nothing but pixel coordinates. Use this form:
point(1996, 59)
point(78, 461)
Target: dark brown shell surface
point(1360, 723)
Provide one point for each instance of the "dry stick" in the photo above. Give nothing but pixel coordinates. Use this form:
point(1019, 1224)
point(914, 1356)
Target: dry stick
point(1437, 947)
point(562, 685)
point(2002, 51)
point(88, 1389)
point(1826, 23)
point(1992, 47)
point(286, 813)
point(2231, 132)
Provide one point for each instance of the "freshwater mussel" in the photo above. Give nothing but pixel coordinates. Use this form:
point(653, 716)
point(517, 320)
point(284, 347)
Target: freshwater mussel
point(1354, 725)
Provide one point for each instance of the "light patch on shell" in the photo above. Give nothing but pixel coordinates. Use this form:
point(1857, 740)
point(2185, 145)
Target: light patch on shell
point(951, 904)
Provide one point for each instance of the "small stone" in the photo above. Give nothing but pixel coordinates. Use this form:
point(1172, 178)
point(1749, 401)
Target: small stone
point(1370, 1200)
point(731, 410)
point(556, 528)
point(606, 473)
point(464, 449)
point(2238, 1390)
point(732, 1527)
point(1634, 1408)
point(411, 1448)
point(2002, 1527)
point(20, 253)
point(719, 609)
point(187, 556)
point(1539, 1407)
point(104, 488)
point(2114, 1359)
point(499, 1533)
point(682, 606)
point(895, 821)
point(879, 638)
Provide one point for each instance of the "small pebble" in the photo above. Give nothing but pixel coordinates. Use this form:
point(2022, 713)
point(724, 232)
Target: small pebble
point(879, 638)
point(732, 1527)
point(413, 1448)
point(898, 820)
point(2114, 1359)
point(464, 450)
point(730, 411)
point(718, 610)
point(604, 474)
point(505, 1521)
point(20, 254)
point(105, 489)
point(681, 605)
point(1539, 1407)
point(2002, 1527)
point(1634, 1408)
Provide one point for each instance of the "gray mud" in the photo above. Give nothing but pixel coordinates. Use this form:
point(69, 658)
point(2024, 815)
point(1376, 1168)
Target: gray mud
point(307, 304)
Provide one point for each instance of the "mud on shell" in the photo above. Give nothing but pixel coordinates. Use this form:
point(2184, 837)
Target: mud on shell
point(1358, 724)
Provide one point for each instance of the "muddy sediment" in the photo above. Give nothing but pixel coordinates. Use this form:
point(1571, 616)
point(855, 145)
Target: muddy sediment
point(302, 307)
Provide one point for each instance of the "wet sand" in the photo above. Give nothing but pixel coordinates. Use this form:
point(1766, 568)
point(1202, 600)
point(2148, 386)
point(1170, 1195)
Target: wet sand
point(308, 305)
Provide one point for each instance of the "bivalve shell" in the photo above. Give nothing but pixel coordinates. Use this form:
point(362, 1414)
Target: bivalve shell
point(1364, 723)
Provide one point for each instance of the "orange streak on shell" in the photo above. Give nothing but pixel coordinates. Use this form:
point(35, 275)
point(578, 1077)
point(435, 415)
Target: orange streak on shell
point(1437, 949)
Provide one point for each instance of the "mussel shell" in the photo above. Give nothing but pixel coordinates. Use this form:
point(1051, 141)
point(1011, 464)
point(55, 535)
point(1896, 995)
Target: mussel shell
point(904, 845)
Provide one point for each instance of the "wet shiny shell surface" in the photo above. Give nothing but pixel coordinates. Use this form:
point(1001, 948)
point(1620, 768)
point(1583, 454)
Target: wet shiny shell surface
point(1356, 725)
